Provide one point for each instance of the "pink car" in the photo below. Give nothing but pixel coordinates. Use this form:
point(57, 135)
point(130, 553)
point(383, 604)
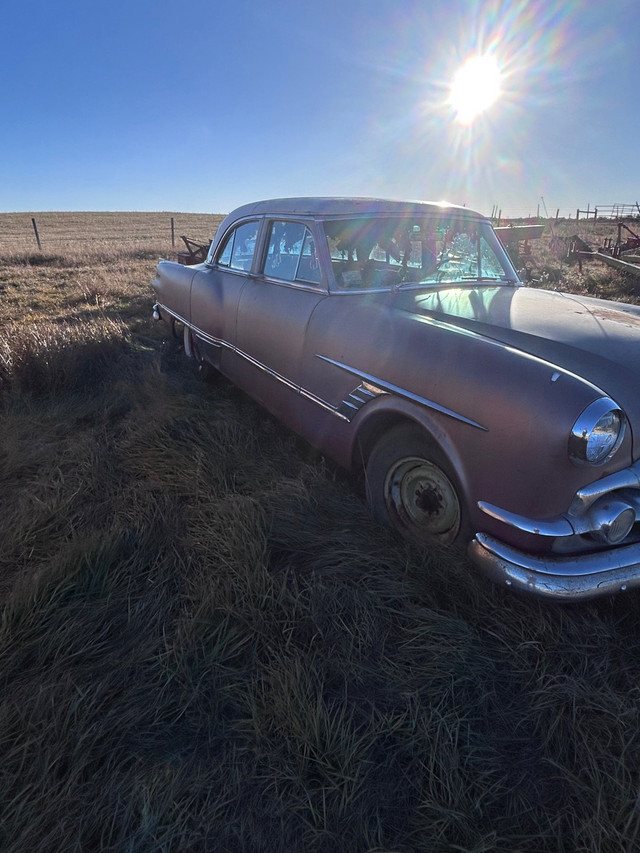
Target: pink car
point(397, 338)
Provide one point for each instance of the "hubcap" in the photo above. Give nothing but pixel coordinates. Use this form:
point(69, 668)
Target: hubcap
point(423, 499)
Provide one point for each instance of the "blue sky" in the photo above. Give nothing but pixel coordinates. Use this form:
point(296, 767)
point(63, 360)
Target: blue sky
point(203, 106)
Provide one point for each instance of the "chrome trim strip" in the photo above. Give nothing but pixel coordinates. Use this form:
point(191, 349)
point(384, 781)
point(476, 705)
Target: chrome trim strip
point(628, 478)
point(324, 405)
point(173, 313)
point(209, 339)
point(562, 578)
point(401, 392)
point(360, 291)
point(306, 286)
point(559, 526)
point(287, 382)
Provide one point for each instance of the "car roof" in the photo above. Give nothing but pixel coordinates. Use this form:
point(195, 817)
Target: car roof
point(334, 206)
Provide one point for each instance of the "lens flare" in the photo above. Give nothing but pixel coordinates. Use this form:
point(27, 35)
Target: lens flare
point(476, 85)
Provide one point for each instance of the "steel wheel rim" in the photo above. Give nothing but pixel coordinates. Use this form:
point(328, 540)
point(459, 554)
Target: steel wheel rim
point(421, 496)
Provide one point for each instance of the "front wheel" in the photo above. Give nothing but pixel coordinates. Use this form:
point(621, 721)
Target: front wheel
point(411, 488)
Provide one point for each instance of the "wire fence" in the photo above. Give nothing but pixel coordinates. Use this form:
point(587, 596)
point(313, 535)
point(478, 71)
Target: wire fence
point(49, 231)
point(610, 211)
point(620, 210)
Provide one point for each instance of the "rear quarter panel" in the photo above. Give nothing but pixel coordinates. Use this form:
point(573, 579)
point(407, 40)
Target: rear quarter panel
point(172, 286)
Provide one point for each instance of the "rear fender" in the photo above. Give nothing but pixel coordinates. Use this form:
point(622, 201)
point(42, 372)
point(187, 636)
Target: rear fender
point(172, 287)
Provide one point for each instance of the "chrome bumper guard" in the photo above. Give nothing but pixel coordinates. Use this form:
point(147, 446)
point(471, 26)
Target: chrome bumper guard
point(564, 578)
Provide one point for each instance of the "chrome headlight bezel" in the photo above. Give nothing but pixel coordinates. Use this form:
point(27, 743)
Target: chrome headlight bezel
point(597, 433)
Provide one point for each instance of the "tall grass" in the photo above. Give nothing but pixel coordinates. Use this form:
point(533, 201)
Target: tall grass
point(207, 644)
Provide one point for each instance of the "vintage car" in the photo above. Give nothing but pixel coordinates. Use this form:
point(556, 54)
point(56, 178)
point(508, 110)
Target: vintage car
point(397, 338)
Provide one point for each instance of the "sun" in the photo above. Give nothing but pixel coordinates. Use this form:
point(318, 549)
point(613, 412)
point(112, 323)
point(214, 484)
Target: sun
point(476, 85)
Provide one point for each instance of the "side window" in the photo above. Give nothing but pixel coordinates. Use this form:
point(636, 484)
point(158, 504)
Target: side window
point(291, 253)
point(238, 248)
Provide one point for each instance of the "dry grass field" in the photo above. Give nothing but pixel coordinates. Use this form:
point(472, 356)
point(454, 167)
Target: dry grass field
point(206, 644)
point(98, 231)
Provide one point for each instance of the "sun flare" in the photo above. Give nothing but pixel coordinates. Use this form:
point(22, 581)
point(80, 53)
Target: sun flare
point(476, 85)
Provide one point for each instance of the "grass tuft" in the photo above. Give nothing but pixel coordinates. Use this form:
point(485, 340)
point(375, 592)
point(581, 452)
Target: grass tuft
point(55, 358)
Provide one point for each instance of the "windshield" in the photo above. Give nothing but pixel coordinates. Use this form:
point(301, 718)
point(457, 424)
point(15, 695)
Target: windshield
point(382, 252)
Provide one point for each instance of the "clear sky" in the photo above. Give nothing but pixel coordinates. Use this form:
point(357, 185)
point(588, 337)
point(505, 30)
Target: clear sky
point(201, 106)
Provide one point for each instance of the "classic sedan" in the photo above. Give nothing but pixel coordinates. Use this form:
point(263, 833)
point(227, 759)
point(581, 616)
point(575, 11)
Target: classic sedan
point(397, 338)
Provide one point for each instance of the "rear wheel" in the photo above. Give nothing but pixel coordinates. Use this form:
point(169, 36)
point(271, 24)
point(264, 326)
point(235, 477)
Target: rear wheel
point(192, 350)
point(412, 488)
point(189, 348)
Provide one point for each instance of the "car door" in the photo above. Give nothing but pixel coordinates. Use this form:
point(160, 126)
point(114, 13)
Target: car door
point(273, 314)
point(216, 290)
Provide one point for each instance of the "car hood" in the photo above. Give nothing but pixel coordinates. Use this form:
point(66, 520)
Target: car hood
point(597, 340)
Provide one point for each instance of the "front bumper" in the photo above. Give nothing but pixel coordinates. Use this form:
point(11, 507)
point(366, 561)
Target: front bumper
point(565, 578)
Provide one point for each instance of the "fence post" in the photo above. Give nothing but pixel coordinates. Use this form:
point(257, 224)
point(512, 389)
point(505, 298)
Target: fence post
point(595, 214)
point(35, 231)
point(173, 233)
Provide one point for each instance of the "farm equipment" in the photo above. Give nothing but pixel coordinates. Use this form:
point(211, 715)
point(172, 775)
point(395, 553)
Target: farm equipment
point(623, 254)
point(515, 239)
point(622, 247)
point(196, 253)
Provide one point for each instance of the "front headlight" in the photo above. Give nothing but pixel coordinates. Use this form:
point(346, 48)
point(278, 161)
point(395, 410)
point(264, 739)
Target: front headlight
point(597, 433)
